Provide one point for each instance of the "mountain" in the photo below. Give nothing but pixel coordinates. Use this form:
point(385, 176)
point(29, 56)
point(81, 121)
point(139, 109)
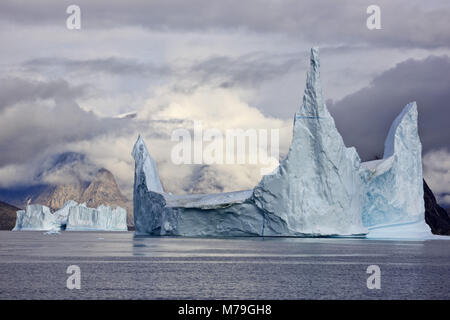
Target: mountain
point(101, 189)
point(54, 197)
point(435, 216)
point(62, 177)
point(7, 216)
point(73, 216)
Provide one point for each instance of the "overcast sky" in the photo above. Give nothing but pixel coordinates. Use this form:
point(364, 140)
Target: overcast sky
point(227, 63)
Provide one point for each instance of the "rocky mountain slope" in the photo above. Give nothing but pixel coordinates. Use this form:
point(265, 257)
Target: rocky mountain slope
point(435, 216)
point(103, 189)
point(54, 196)
point(7, 216)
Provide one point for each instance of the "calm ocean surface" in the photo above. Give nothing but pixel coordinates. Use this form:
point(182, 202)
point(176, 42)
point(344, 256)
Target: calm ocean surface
point(122, 266)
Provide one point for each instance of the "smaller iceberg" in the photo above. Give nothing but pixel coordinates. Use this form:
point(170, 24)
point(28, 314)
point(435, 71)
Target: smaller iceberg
point(82, 218)
point(393, 206)
point(72, 216)
point(35, 217)
point(62, 215)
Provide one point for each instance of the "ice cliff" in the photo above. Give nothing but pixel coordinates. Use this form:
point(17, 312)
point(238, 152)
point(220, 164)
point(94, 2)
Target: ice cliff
point(394, 193)
point(72, 216)
point(105, 218)
point(34, 217)
point(394, 184)
point(321, 188)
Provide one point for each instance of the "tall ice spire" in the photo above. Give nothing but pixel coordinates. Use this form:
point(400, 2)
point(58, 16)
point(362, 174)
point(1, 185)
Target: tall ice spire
point(145, 167)
point(313, 105)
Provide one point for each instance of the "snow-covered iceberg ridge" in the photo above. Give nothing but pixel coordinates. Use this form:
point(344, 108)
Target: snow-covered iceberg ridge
point(321, 188)
point(73, 217)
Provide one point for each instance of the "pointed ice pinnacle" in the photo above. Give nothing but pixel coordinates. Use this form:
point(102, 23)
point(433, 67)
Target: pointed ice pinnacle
point(317, 189)
point(313, 105)
point(148, 201)
point(145, 167)
point(394, 190)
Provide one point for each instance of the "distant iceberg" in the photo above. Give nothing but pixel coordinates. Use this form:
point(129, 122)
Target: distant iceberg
point(35, 217)
point(321, 188)
point(104, 218)
point(73, 217)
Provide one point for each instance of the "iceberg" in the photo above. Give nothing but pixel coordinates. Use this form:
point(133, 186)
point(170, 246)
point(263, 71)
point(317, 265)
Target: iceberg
point(82, 218)
point(72, 216)
point(321, 188)
point(35, 217)
point(146, 170)
point(159, 213)
point(316, 191)
point(62, 215)
point(418, 230)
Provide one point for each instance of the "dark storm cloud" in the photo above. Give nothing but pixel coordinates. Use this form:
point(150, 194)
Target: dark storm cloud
point(111, 65)
point(41, 119)
point(32, 126)
point(247, 70)
point(364, 117)
point(14, 90)
point(404, 23)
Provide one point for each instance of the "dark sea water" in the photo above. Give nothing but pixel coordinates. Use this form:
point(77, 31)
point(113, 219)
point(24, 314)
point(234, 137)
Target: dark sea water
point(121, 266)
